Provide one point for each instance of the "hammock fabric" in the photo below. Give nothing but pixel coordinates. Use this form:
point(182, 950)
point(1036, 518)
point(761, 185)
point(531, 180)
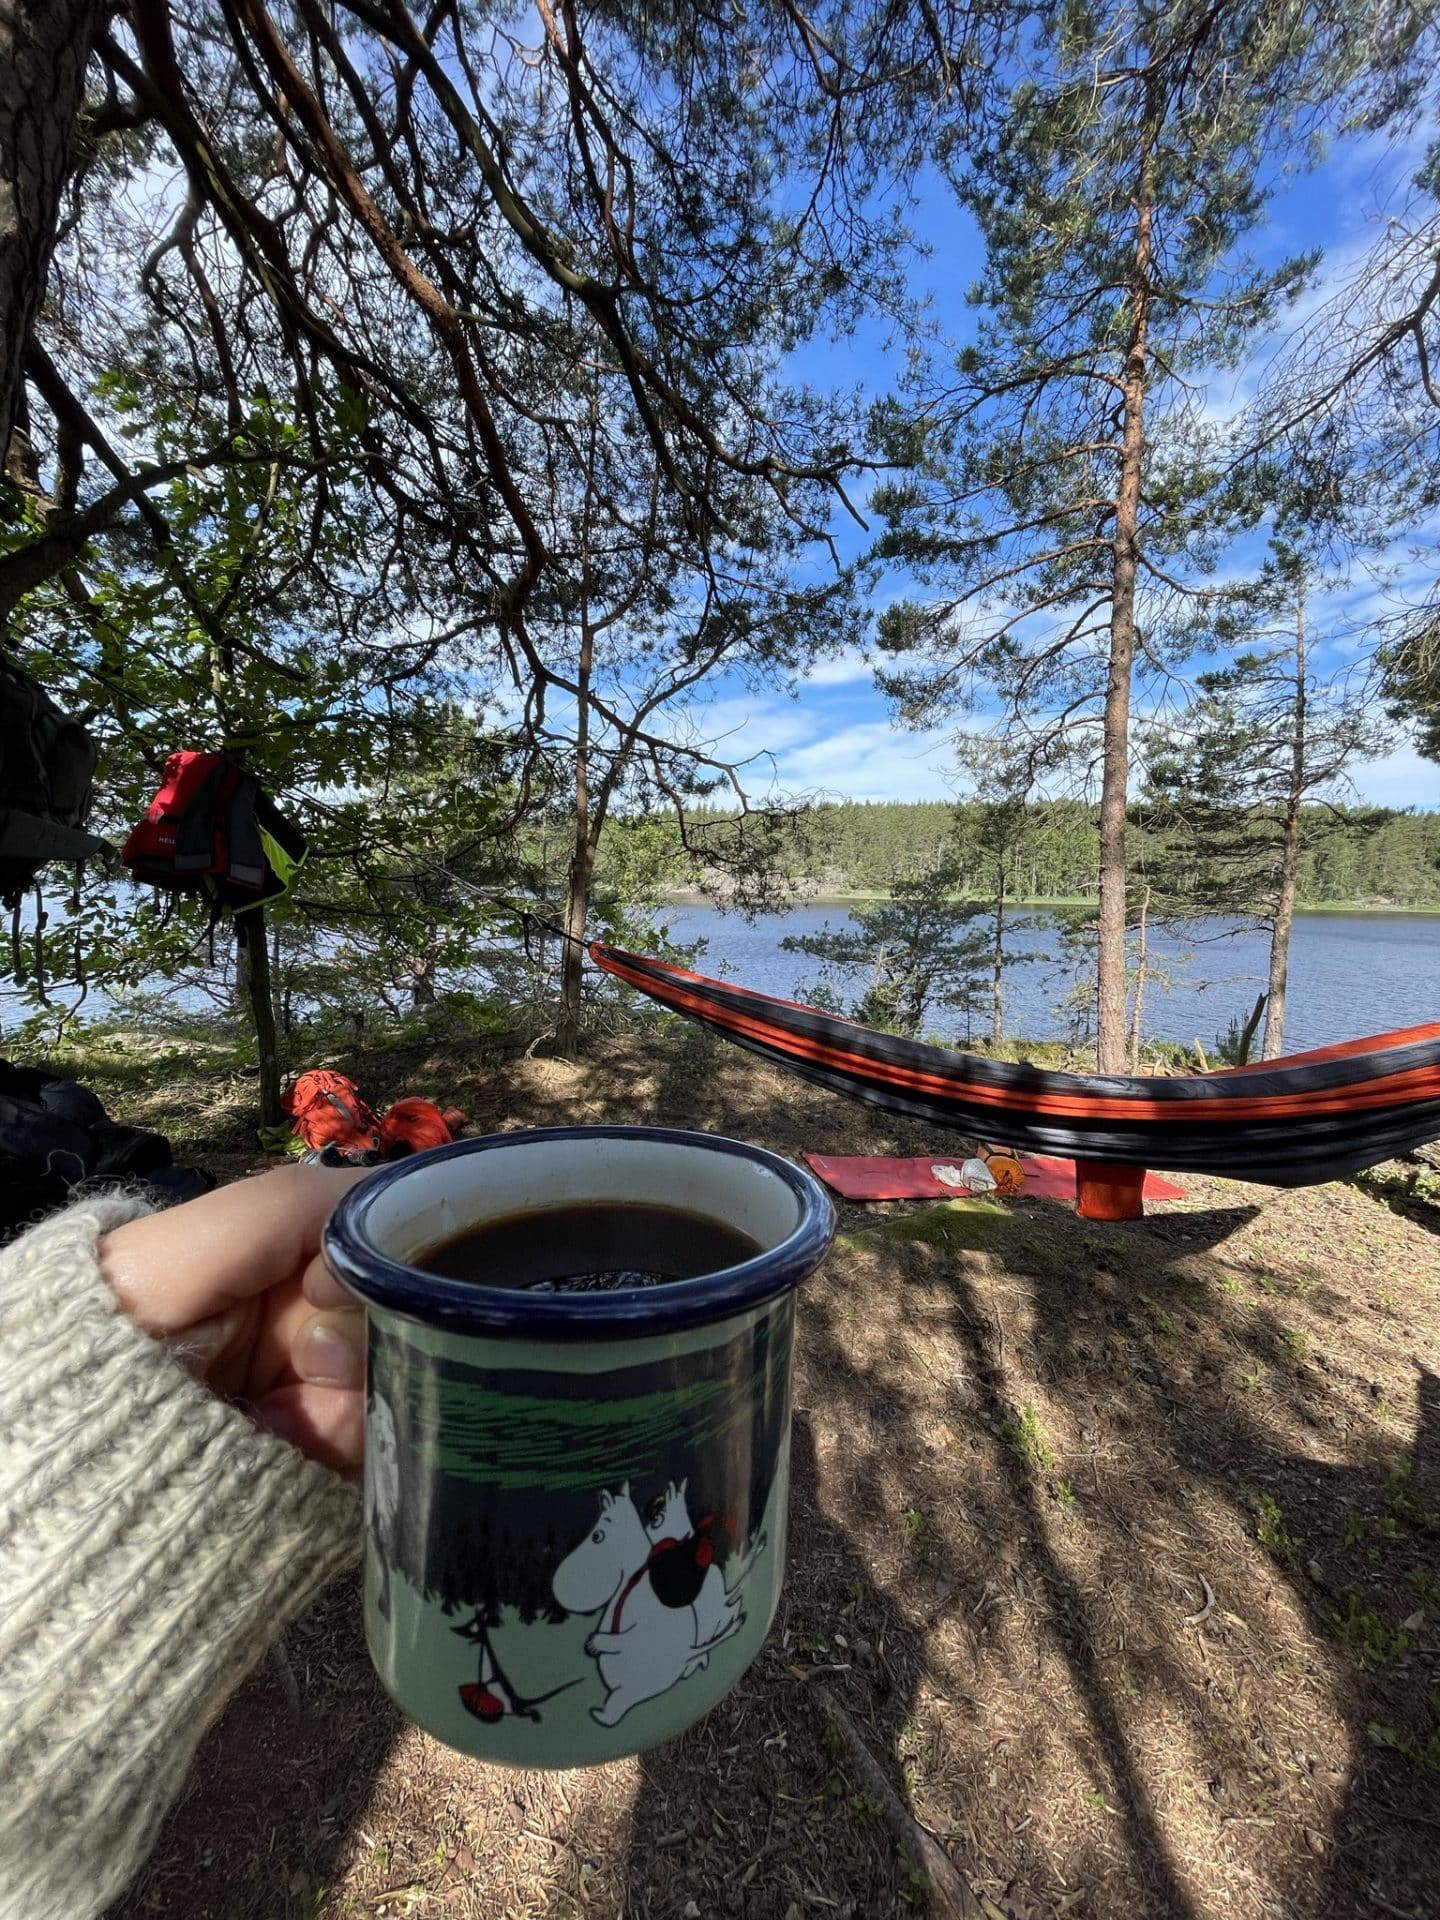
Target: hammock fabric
point(1285, 1123)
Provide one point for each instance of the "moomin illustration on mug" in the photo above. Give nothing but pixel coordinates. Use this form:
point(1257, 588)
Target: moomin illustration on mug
point(572, 1601)
point(575, 1502)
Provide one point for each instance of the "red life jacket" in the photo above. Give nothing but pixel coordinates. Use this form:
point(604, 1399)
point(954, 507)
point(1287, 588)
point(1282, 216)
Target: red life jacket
point(211, 830)
point(327, 1110)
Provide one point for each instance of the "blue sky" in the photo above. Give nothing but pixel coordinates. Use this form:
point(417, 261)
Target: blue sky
point(836, 738)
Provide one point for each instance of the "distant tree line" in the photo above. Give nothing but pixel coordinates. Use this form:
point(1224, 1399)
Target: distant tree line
point(1350, 856)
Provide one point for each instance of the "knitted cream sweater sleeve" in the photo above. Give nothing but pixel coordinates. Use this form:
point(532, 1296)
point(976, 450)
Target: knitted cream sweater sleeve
point(152, 1544)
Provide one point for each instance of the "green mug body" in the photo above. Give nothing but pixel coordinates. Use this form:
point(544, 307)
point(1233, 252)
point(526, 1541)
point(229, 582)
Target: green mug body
point(575, 1504)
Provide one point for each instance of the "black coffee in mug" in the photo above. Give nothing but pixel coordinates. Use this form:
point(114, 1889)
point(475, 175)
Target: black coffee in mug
point(591, 1246)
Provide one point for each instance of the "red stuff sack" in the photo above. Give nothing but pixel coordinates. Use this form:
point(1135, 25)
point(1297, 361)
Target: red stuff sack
point(414, 1124)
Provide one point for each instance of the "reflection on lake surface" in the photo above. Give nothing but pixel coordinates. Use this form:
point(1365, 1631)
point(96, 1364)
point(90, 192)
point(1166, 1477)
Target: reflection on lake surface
point(1350, 973)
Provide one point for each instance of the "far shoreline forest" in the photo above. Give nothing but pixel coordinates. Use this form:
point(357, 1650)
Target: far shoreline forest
point(1352, 859)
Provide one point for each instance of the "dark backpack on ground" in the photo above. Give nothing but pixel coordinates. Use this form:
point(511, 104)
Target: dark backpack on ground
point(47, 767)
point(55, 1137)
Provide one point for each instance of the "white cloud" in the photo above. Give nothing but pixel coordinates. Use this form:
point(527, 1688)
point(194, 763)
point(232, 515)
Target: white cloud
point(738, 725)
point(873, 761)
point(846, 669)
point(1401, 779)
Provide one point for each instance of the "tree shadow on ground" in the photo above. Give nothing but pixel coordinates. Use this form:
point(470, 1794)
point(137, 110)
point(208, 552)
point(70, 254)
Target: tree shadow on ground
point(754, 1812)
point(1085, 1473)
point(996, 1587)
point(758, 1810)
point(1382, 1853)
point(280, 1782)
point(1312, 1528)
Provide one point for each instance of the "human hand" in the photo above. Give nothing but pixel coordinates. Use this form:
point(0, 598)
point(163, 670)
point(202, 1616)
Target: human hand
point(236, 1283)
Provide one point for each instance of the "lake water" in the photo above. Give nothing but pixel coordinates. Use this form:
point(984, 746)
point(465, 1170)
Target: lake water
point(1350, 974)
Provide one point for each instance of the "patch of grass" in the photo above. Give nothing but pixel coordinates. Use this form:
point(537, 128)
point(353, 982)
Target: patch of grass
point(1423, 1754)
point(1395, 1184)
point(1403, 1504)
point(1163, 1322)
point(915, 1526)
point(1064, 1493)
point(953, 1223)
point(1403, 1511)
point(1232, 1285)
point(1021, 1432)
point(1250, 1381)
point(1366, 1634)
point(1096, 1799)
point(867, 1809)
point(1270, 1528)
point(1295, 1343)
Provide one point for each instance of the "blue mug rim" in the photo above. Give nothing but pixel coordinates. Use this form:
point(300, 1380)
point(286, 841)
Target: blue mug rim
point(462, 1306)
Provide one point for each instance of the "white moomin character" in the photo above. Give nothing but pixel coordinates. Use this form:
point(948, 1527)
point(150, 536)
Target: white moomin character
point(382, 1491)
point(662, 1615)
point(668, 1526)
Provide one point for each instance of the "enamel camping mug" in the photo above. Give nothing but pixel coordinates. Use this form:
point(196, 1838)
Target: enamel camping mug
point(575, 1503)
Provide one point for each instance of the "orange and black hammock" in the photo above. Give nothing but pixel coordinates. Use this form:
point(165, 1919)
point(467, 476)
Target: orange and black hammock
point(1286, 1123)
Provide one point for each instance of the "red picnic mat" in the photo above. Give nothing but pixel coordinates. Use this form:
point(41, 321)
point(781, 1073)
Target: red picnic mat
point(864, 1177)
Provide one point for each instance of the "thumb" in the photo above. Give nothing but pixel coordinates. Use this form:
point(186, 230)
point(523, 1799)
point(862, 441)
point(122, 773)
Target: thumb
point(197, 1348)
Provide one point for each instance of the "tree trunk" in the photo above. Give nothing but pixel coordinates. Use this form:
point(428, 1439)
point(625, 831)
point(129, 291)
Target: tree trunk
point(1110, 962)
point(254, 968)
point(1274, 1041)
point(1140, 974)
point(582, 862)
point(44, 45)
point(572, 960)
point(997, 964)
point(422, 979)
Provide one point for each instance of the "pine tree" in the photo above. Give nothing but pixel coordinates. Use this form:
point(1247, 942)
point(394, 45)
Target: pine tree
point(1065, 502)
point(918, 950)
point(1227, 782)
point(998, 828)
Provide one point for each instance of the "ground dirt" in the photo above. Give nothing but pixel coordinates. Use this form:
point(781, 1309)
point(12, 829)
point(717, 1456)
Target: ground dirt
point(1119, 1544)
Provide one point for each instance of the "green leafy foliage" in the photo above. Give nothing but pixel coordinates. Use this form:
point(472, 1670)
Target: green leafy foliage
point(1366, 1634)
point(1271, 1530)
point(1023, 1435)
